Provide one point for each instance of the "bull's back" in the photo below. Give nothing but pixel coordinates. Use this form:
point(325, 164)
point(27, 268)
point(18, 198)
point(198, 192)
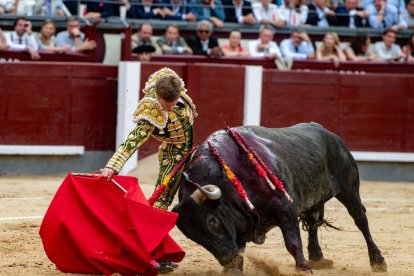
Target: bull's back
point(314, 163)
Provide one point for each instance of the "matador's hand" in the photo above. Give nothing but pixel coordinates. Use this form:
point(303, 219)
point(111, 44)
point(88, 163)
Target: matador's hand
point(107, 173)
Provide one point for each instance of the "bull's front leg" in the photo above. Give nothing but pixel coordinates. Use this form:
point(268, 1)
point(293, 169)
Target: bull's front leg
point(289, 226)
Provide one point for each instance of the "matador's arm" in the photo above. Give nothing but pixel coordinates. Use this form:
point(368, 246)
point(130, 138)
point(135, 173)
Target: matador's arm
point(135, 139)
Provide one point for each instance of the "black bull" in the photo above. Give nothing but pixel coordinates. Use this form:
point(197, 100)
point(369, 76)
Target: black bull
point(314, 165)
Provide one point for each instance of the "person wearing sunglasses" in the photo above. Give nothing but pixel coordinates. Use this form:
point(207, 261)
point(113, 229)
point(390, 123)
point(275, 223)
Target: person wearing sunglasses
point(204, 43)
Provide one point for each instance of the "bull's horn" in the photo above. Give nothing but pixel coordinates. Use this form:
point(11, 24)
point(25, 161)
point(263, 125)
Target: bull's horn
point(208, 191)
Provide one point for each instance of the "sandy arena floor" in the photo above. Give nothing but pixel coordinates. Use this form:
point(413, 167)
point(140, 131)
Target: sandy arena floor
point(390, 209)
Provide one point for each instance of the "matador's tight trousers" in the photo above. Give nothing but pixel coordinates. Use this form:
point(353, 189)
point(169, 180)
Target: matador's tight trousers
point(169, 155)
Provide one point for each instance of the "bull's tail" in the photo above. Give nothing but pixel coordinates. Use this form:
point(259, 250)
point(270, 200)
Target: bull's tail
point(324, 223)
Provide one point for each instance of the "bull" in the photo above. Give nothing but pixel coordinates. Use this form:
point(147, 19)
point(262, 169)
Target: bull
point(313, 163)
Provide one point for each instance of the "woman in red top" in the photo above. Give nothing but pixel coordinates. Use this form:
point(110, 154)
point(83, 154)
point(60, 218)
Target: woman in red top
point(233, 48)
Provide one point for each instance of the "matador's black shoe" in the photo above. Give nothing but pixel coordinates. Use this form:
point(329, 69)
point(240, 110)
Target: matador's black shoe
point(163, 268)
point(168, 263)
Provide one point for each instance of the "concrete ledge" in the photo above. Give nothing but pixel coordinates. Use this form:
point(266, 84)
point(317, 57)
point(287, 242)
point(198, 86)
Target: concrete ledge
point(41, 150)
point(383, 156)
point(53, 164)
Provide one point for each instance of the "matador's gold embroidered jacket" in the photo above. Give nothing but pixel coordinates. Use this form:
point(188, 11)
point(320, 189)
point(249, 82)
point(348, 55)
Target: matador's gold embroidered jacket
point(152, 119)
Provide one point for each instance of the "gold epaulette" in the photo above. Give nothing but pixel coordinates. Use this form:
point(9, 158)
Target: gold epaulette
point(149, 109)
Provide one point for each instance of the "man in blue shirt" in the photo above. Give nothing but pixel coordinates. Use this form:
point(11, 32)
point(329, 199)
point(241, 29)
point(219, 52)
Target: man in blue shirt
point(74, 37)
point(384, 16)
point(298, 46)
point(210, 10)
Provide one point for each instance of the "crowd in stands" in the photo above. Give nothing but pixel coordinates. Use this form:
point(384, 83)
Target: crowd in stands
point(22, 38)
point(378, 14)
point(297, 47)
point(390, 16)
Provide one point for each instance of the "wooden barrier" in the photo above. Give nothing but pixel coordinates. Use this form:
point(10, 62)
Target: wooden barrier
point(15, 55)
point(75, 103)
point(58, 104)
point(370, 112)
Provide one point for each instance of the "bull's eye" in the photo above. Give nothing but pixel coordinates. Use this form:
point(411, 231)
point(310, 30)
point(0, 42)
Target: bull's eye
point(212, 223)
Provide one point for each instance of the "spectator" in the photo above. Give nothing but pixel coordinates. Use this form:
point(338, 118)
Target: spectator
point(46, 38)
point(147, 9)
point(268, 14)
point(398, 4)
point(6, 6)
point(144, 52)
point(210, 10)
point(264, 46)
point(386, 49)
point(22, 38)
point(144, 35)
point(384, 16)
point(204, 43)
point(98, 9)
point(3, 42)
point(28, 7)
point(408, 14)
point(234, 48)
point(295, 12)
point(74, 37)
point(409, 49)
point(54, 8)
point(298, 46)
point(320, 14)
point(331, 49)
point(239, 11)
point(359, 49)
point(177, 10)
point(172, 43)
point(350, 15)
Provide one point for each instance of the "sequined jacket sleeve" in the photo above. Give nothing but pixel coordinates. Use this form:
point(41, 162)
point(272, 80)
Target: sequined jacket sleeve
point(135, 139)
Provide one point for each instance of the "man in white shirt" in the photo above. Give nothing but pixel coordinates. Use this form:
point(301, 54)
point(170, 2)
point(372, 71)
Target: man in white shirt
point(298, 46)
point(264, 46)
point(267, 13)
point(387, 50)
point(22, 38)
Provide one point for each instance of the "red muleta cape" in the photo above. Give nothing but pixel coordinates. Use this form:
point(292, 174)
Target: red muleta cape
point(92, 226)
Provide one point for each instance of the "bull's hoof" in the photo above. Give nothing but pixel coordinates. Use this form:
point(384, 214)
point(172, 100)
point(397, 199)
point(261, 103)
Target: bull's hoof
point(379, 267)
point(321, 264)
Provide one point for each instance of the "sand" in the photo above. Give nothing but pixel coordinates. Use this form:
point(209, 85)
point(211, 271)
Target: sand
point(390, 210)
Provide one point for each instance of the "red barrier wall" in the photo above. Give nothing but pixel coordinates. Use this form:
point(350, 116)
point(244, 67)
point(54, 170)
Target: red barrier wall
point(75, 103)
point(370, 112)
point(218, 92)
point(58, 104)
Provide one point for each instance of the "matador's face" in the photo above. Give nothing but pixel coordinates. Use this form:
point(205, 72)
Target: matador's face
point(167, 106)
